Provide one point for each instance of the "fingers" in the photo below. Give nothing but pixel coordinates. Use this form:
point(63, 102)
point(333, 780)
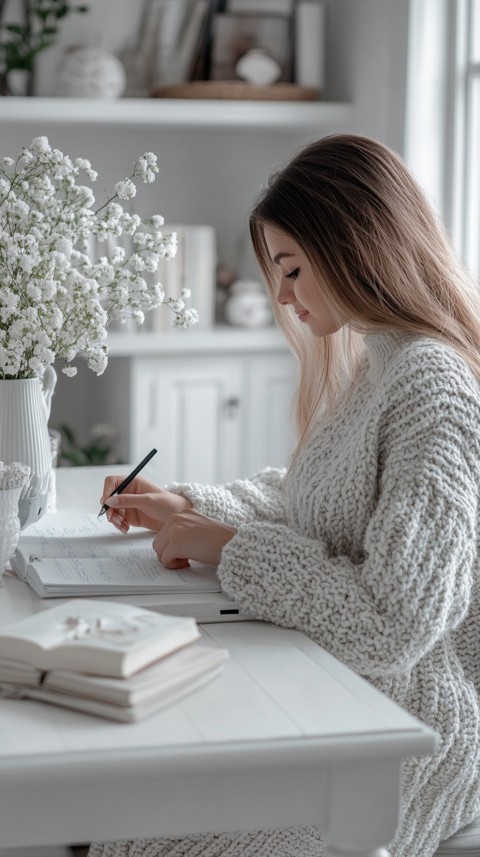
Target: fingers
point(110, 484)
point(118, 521)
point(166, 545)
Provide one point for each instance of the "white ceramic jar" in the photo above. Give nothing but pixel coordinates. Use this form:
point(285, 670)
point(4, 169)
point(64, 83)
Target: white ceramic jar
point(91, 73)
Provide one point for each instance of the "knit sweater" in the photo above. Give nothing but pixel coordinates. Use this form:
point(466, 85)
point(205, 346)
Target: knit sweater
point(369, 546)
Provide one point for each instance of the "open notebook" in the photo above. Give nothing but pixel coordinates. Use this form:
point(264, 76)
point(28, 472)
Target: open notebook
point(69, 555)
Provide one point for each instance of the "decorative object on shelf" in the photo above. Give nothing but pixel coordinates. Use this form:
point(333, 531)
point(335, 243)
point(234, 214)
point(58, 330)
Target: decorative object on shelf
point(235, 35)
point(56, 301)
point(22, 40)
point(13, 478)
point(248, 305)
point(99, 449)
point(25, 403)
point(237, 90)
point(310, 43)
point(224, 278)
point(90, 73)
point(164, 49)
point(257, 68)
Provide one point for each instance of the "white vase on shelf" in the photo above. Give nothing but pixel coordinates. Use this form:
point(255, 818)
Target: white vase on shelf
point(248, 305)
point(91, 73)
point(24, 411)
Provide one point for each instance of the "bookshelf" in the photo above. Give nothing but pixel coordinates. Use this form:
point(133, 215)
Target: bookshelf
point(178, 113)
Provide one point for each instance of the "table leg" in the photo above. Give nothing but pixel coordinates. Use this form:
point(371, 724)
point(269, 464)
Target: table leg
point(364, 808)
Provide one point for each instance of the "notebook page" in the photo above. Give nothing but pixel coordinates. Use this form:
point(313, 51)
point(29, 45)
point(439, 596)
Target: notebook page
point(74, 535)
point(83, 575)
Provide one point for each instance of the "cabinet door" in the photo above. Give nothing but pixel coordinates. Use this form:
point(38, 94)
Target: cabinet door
point(190, 409)
point(271, 383)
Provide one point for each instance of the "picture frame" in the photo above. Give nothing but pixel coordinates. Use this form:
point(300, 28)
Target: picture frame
point(235, 34)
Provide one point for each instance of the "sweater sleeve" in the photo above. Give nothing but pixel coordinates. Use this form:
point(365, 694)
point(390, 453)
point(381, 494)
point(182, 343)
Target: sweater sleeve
point(412, 584)
point(259, 498)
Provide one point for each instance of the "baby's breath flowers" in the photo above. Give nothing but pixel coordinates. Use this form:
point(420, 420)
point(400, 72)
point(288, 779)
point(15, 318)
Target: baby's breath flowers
point(14, 475)
point(55, 299)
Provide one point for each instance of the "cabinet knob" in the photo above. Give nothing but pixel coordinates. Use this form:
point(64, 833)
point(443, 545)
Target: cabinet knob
point(232, 406)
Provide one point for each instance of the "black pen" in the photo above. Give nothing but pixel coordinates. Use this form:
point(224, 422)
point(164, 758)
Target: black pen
point(128, 479)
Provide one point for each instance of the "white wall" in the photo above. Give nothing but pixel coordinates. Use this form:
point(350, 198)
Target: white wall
point(212, 176)
point(367, 64)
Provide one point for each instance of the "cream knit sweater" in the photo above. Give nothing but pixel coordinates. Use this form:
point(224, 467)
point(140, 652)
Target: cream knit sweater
point(369, 546)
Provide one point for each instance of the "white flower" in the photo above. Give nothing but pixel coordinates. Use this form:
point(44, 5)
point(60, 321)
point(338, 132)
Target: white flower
point(26, 263)
point(177, 305)
point(125, 189)
point(56, 295)
point(186, 319)
point(40, 146)
point(146, 167)
point(118, 255)
point(64, 246)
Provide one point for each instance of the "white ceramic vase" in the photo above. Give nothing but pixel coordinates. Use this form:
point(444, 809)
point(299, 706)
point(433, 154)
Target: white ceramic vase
point(24, 412)
point(9, 525)
point(91, 73)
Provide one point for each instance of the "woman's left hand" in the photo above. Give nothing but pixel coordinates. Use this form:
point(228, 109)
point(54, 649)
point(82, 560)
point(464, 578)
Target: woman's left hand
point(191, 535)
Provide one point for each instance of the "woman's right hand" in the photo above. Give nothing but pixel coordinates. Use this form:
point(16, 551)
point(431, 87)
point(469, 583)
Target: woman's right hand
point(142, 504)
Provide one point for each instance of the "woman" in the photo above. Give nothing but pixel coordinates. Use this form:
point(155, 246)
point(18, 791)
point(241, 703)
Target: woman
point(368, 542)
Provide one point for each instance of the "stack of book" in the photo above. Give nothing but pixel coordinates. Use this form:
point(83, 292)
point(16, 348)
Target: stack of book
point(116, 661)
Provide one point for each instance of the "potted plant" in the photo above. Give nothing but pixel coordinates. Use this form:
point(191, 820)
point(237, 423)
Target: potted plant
point(22, 41)
point(56, 300)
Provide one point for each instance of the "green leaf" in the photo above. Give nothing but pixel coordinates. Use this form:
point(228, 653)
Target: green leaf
point(67, 431)
point(75, 457)
point(16, 28)
point(62, 11)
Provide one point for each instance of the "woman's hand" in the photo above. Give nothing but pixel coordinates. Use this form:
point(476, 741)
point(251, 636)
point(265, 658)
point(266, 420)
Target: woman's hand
point(142, 504)
point(191, 535)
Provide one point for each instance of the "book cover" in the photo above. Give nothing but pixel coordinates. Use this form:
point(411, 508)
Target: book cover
point(97, 637)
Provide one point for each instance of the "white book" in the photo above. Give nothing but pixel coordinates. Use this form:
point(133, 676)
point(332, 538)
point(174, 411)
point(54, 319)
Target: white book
point(191, 37)
point(97, 637)
point(310, 43)
point(149, 660)
point(158, 679)
point(193, 267)
point(73, 555)
point(125, 714)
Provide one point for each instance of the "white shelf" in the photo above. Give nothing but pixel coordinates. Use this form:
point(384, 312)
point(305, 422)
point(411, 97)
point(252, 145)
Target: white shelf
point(198, 113)
point(218, 340)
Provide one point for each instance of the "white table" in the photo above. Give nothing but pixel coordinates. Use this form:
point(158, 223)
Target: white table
point(286, 736)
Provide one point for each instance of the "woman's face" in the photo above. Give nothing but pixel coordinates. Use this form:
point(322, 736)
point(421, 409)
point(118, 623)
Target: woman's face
point(299, 286)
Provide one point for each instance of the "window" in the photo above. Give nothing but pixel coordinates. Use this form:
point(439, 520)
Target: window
point(442, 135)
point(466, 151)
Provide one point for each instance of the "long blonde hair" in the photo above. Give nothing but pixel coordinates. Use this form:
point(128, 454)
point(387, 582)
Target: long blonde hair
point(371, 236)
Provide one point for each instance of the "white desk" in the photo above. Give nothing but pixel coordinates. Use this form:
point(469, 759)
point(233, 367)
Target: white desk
point(287, 736)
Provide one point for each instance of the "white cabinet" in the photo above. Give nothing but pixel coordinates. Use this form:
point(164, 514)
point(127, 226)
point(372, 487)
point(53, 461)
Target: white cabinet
point(190, 408)
point(217, 405)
